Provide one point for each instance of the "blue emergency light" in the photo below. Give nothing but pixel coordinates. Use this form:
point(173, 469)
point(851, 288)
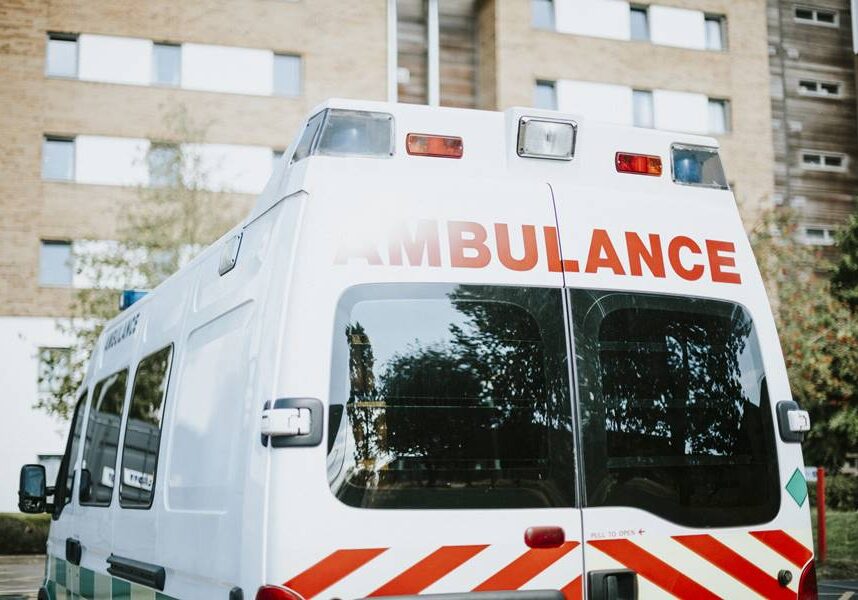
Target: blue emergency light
point(129, 297)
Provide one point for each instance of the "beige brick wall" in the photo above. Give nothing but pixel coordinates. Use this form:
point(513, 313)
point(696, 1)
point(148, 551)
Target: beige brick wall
point(741, 74)
point(343, 45)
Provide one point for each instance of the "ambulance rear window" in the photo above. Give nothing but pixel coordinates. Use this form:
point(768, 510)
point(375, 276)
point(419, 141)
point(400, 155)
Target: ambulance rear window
point(675, 411)
point(450, 396)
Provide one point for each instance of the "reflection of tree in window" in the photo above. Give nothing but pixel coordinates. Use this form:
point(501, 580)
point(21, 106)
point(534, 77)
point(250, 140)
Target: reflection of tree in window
point(675, 410)
point(478, 409)
point(143, 429)
point(102, 439)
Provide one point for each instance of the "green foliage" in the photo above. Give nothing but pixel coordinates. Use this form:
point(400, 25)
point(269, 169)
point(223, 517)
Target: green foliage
point(844, 280)
point(172, 219)
point(23, 534)
point(841, 492)
point(842, 538)
point(819, 336)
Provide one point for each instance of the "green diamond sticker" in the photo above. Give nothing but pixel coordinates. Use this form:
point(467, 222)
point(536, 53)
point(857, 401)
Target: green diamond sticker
point(797, 487)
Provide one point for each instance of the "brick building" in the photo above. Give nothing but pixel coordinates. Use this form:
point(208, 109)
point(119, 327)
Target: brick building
point(85, 87)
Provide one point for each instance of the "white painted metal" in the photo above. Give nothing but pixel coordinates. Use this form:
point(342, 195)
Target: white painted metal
point(115, 59)
point(596, 18)
point(681, 27)
point(227, 69)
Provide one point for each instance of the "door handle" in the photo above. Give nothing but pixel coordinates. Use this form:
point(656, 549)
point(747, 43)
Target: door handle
point(73, 551)
point(613, 585)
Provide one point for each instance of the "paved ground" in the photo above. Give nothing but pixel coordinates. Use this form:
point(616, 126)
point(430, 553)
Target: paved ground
point(841, 590)
point(20, 577)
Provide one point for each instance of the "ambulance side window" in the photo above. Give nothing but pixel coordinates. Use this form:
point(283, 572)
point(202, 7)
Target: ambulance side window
point(102, 438)
point(143, 430)
point(66, 474)
point(675, 411)
point(448, 396)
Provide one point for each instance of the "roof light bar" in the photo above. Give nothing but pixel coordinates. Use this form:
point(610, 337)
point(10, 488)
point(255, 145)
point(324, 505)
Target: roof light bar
point(638, 164)
point(438, 146)
point(546, 138)
point(129, 297)
point(698, 166)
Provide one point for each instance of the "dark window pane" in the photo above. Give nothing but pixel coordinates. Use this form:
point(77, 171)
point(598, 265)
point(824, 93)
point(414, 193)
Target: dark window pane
point(166, 64)
point(675, 409)
point(825, 17)
point(143, 430)
point(65, 477)
point(804, 13)
point(102, 439)
point(454, 397)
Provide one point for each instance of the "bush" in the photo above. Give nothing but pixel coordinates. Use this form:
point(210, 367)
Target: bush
point(23, 534)
point(841, 492)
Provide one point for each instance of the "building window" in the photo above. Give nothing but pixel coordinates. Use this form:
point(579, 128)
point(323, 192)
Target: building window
point(53, 367)
point(719, 116)
point(818, 236)
point(642, 107)
point(823, 161)
point(545, 95)
point(542, 14)
point(167, 64)
point(816, 16)
point(62, 55)
point(164, 162)
point(55, 263)
point(287, 75)
point(58, 158)
point(716, 38)
point(639, 23)
point(812, 87)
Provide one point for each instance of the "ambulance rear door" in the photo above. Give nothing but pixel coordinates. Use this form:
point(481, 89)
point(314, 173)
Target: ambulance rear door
point(430, 324)
point(687, 488)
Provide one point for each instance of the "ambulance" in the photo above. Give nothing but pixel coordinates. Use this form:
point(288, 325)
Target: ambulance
point(463, 354)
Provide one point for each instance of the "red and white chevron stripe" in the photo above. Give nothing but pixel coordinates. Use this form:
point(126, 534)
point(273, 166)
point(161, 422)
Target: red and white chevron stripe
point(697, 566)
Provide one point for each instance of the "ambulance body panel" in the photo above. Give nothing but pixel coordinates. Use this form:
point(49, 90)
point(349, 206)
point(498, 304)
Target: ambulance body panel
point(356, 284)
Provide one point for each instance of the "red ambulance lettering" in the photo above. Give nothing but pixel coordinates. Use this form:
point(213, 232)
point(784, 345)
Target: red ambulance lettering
point(600, 243)
point(638, 252)
point(717, 261)
point(673, 254)
point(531, 252)
point(552, 252)
point(424, 242)
point(470, 248)
point(476, 243)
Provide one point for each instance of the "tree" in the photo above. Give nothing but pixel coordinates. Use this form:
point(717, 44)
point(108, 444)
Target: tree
point(174, 217)
point(844, 281)
point(819, 336)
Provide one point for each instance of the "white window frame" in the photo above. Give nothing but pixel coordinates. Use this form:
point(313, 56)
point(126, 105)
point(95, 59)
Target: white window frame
point(815, 11)
point(818, 93)
point(844, 165)
point(829, 235)
point(152, 80)
point(548, 83)
point(68, 139)
point(57, 242)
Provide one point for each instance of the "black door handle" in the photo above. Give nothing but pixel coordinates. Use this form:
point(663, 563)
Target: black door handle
point(73, 551)
point(613, 585)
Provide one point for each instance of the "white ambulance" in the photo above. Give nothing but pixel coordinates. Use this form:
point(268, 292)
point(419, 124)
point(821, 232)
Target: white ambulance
point(465, 354)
